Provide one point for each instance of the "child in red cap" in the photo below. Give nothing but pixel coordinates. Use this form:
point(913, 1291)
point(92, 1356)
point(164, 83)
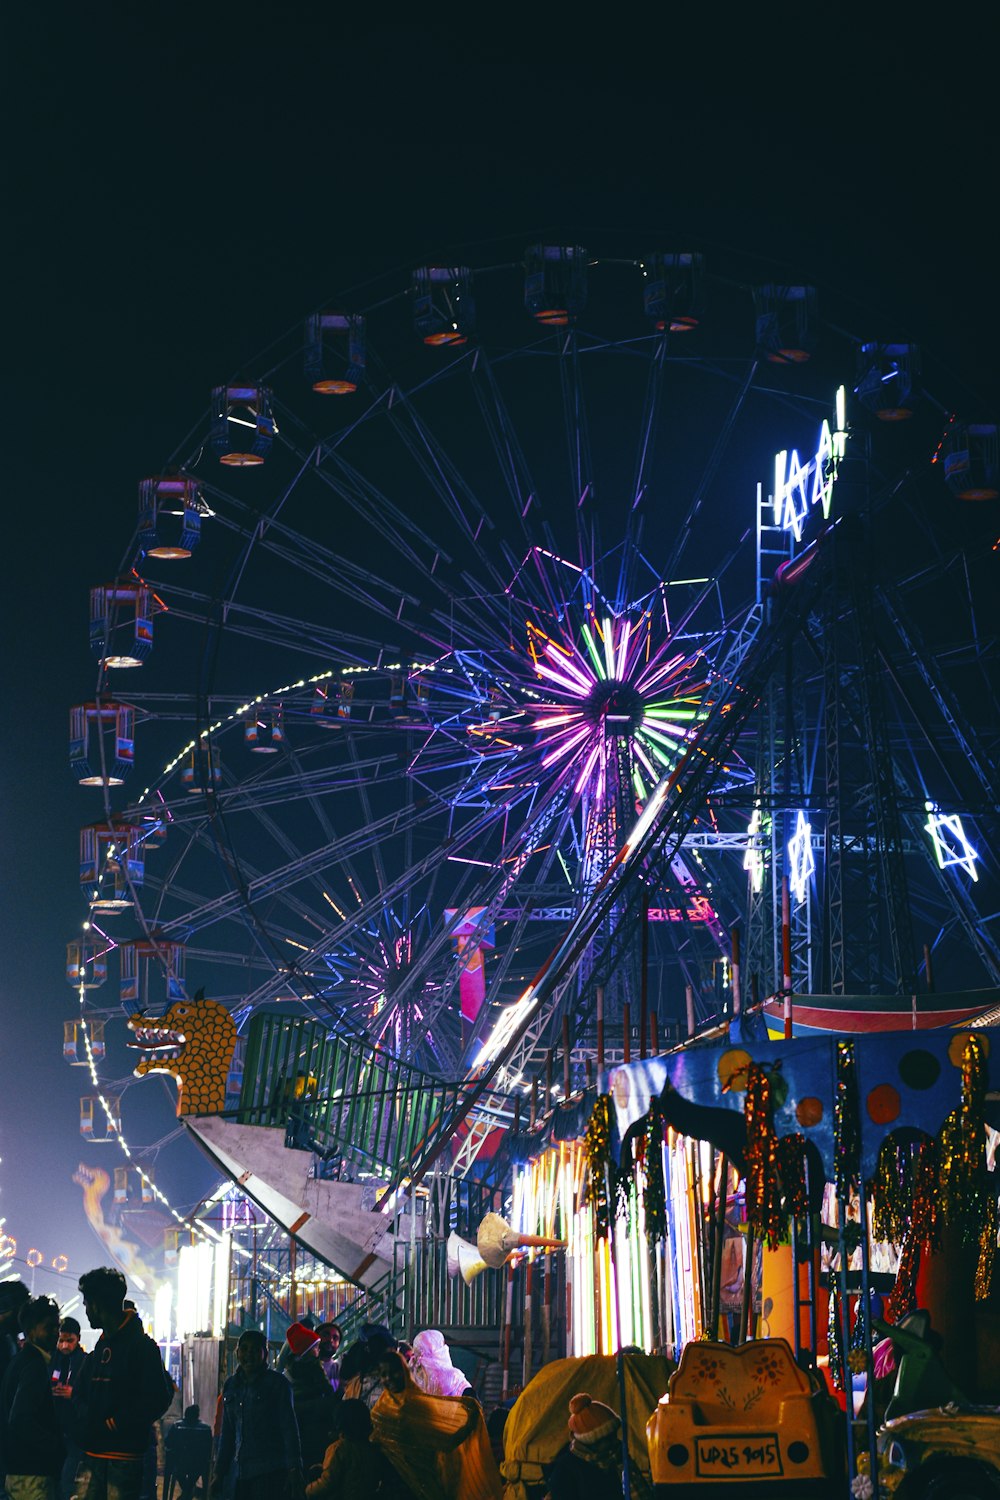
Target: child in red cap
point(301, 1340)
point(590, 1467)
point(312, 1395)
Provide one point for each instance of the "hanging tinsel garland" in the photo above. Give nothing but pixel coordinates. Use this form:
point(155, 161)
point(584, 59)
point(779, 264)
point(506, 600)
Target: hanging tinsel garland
point(965, 1192)
point(987, 1253)
point(655, 1196)
point(792, 1171)
point(894, 1188)
point(601, 1170)
point(857, 1356)
point(833, 1339)
point(944, 1182)
point(846, 1126)
point(764, 1209)
point(924, 1228)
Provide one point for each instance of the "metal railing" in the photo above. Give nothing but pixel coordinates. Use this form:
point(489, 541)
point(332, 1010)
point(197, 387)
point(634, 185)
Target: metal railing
point(433, 1299)
point(343, 1099)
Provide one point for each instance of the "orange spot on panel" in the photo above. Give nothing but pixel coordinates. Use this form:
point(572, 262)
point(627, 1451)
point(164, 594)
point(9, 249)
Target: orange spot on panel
point(809, 1112)
point(733, 1066)
point(883, 1104)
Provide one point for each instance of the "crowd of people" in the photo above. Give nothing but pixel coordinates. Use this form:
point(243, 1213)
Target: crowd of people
point(385, 1419)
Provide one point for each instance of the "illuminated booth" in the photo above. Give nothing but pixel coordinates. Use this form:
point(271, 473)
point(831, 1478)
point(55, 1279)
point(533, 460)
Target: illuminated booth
point(705, 1175)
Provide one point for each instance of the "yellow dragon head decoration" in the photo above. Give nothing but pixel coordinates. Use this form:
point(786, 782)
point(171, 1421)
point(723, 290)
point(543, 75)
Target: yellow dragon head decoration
point(193, 1042)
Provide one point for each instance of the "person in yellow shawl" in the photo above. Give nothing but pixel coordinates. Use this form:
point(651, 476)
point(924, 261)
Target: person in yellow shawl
point(438, 1445)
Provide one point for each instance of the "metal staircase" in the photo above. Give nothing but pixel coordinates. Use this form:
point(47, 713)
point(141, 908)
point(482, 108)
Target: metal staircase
point(355, 1107)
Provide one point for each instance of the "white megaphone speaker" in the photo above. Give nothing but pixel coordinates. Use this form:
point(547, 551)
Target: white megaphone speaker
point(464, 1259)
point(496, 1241)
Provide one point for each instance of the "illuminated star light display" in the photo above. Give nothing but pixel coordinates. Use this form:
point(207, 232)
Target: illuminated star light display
point(799, 487)
point(801, 862)
point(951, 847)
point(753, 860)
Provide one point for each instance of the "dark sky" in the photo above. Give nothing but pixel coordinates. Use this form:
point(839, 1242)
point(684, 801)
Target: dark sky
point(182, 185)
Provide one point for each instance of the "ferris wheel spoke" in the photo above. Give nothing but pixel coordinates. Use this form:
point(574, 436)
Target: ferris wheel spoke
point(648, 429)
point(709, 471)
point(508, 890)
point(326, 857)
point(577, 438)
point(376, 509)
point(271, 533)
point(510, 456)
point(291, 898)
point(387, 897)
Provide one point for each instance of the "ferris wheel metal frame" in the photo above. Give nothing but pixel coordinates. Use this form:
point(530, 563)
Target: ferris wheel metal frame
point(478, 770)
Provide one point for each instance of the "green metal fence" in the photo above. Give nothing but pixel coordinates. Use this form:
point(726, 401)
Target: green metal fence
point(344, 1100)
point(419, 1293)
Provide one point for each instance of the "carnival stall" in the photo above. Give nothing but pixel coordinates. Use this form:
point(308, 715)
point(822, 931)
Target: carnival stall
point(846, 1169)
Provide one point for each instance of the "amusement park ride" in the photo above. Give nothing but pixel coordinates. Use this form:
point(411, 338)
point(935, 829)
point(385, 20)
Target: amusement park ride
point(533, 663)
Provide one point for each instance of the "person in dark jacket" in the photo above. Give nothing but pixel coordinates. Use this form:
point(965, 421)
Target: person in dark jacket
point(259, 1456)
point(13, 1296)
point(120, 1392)
point(590, 1468)
point(29, 1429)
point(312, 1395)
point(354, 1467)
point(187, 1451)
point(67, 1362)
point(359, 1379)
point(329, 1352)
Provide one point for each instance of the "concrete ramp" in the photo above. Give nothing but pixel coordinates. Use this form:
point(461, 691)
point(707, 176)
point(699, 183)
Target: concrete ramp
point(327, 1218)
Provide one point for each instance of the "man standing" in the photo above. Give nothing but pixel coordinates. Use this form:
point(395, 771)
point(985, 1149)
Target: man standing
point(187, 1451)
point(259, 1456)
point(66, 1366)
point(13, 1296)
point(120, 1392)
point(329, 1352)
point(29, 1430)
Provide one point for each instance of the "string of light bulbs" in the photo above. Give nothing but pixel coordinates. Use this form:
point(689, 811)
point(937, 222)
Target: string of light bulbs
point(114, 1125)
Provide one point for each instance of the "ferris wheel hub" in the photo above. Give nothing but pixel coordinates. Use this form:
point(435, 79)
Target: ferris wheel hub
point(618, 706)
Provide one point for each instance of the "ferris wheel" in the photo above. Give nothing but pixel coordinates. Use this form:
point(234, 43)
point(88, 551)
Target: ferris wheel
point(415, 624)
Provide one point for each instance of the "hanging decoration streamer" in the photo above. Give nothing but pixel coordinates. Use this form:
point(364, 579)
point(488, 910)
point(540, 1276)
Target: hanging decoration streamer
point(857, 1357)
point(925, 1228)
point(965, 1194)
point(600, 1166)
point(655, 1197)
point(894, 1188)
point(833, 1338)
point(792, 1169)
point(987, 1253)
point(763, 1183)
point(846, 1130)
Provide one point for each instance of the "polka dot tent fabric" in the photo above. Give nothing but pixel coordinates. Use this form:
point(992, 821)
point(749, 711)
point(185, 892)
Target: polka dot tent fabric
point(906, 1081)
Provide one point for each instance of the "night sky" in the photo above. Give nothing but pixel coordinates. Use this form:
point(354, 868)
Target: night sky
point(182, 188)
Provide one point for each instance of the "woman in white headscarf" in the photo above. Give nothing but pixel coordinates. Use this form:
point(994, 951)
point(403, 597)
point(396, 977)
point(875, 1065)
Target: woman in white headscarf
point(431, 1366)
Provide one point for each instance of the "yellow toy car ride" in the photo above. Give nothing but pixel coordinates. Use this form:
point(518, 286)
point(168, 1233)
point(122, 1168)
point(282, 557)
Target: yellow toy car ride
point(746, 1421)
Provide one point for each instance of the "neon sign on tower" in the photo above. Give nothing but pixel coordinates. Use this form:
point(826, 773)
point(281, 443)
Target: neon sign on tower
point(799, 487)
